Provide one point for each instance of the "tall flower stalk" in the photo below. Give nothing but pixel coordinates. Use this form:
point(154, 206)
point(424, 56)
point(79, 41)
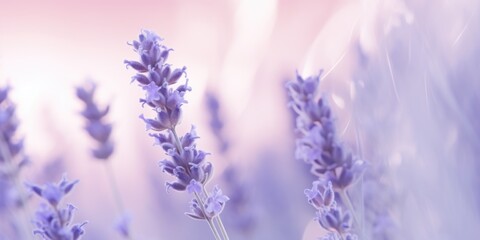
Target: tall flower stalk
point(336, 168)
point(12, 160)
point(100, 131)
point(165, 97)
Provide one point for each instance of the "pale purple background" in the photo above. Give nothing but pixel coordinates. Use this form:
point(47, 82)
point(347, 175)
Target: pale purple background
point(401, 77)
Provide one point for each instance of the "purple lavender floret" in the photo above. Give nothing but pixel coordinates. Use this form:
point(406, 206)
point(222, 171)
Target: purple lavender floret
point(213, 206)
point(53, 222)
point(186, 165)
point(96, 126)
point(216, 202)
point(321, 195)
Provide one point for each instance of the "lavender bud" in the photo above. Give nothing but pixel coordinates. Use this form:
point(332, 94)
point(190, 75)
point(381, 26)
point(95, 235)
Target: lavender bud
point(153, 124)
point(176, 185)
point(136, 65)
point(141, 79)
point(176, 74)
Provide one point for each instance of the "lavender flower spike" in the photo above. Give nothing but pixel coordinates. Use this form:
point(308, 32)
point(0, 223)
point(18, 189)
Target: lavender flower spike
point(317, 145)
point(12, 160)
point(101, 132)
point(53, 222)
point(96, 127)
point(165, 98)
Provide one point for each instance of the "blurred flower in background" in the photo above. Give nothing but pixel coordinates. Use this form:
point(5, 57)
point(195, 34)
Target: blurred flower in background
point(400, 77)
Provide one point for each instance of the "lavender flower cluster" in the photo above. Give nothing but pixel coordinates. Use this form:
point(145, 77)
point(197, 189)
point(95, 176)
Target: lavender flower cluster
point(187, 164)
point(12, 159)
point(100, 131)
point(96, 126)
point(317, 145)
point(52, 221)
point(13, 197)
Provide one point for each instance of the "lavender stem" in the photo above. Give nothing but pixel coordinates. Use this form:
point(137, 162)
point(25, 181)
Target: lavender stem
point(199, 199)
point(115, 192)
point(218, 219)
point(209, 220)
point(346, 199)
point(114, 187)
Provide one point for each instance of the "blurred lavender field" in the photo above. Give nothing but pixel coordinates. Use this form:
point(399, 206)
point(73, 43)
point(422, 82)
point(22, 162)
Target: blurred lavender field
point(399, 78)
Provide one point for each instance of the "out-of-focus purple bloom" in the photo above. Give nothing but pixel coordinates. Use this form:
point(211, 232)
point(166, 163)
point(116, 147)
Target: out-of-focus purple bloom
point(216, 123)
point(53, 222)
point(12, 160)
point(96, 127)
point(9, 196)
point(101, 132)
point(239, 214)
point(11, 157)
point(317, 145)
